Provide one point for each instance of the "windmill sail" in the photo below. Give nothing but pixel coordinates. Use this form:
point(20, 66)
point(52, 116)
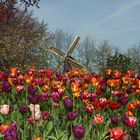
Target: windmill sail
point(73, 45)
point(56, 51)
point(74, 62)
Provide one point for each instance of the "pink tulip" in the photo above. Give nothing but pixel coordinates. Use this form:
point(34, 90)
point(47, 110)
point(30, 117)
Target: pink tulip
point(4, 109)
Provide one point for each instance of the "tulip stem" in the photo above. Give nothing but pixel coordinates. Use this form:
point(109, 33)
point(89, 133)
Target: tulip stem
point(23, 126)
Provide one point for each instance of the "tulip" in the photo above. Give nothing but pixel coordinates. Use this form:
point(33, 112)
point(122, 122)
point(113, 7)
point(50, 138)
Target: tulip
point(129, 90)
point(118, 134)
point(34, 99)
point(23, 109)
point(44, 97)
point(11, 108)
point(79, 131)
point(55, 105)
point(46, 116)
point(37, 138)
point(11, 133)
point(35, 111)
point(32, 90)
point(68, 103)
point(19, 89)
point(114, 120)
point(89, 108)
point(58, 74)
point(49, 72)
point(3, 128)
point(97, 119)
point(7, 87)
point(125, 119)
point(4, 109)
point(55, 96)
point(30, 120)
point(123, 100)
point(71, 116)
point(131, 122)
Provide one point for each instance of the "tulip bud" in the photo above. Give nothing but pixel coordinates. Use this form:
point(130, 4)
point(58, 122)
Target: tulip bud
point(79, 131)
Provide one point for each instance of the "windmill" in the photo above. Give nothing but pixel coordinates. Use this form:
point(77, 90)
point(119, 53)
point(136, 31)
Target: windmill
point(68, 61)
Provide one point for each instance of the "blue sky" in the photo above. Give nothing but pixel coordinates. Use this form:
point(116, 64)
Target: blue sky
point(117, 21)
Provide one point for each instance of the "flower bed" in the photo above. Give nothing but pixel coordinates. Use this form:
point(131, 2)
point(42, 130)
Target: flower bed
point(48, 105)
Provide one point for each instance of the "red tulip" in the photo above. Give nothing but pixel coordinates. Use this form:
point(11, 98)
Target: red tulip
point(46, 116)
point(19, 89)
point(131, 122)
point(89, 108)
point(118, 134)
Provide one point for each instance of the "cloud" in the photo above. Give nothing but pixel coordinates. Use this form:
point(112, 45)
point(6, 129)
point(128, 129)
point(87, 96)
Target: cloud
point(120, 12)
point(126, 30)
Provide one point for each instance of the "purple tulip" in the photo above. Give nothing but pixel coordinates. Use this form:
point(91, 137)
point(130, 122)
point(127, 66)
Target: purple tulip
point(15, 82)
point(68, 103)
point(11, 108)
point(129, 90)
point(58, 74)
point(11, 133)
point(79, 131)
point(122, 93)
point(123, 100)
point(23, 109)
point(124, 119)
point(71, 116)
point(31, 89)
point(34, 99)
point(103, 87)
point(6, 86)
point(114, 120)
point(67, 69)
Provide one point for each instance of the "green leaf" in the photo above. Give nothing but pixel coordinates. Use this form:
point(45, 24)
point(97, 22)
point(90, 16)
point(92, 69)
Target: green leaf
point(49, 127)
point(1, 136)
point(1, 118)
point(62, 133)
point(88, 129)
point(64, 137)
point(52, 138)
point(71, 137)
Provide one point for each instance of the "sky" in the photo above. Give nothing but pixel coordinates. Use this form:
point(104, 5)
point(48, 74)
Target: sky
point(117, 21)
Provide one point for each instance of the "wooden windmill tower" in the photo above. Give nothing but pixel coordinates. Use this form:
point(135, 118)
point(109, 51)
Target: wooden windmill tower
point(68, 60)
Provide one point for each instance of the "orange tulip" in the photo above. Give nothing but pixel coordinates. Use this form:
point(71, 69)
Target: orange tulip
point(129, 113)
point(130, 107)
point(136, 103)
point(126, 79)
point(37, 138)
point(98, 119)
point(13, 71)
point(3, 128)
point(95, 82)
point(108, 71)
point(117, 73)
point(75, 86)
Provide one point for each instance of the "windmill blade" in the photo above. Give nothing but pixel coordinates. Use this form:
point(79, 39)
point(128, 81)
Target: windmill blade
point(74, 62)
point(56, 51)
point(73, 45)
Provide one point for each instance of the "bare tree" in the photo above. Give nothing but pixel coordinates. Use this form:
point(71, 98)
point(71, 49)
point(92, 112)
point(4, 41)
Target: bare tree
point(92, 56)
point(86, 53)
point(134, 54)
